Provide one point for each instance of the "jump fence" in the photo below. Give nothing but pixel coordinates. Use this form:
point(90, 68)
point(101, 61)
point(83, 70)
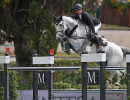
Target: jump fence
point(85, 58)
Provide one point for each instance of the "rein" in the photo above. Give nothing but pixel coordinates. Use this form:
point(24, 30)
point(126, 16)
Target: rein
point(71, 32)
point(76, 37)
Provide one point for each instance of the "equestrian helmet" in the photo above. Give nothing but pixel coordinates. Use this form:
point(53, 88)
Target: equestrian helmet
point(78, 7)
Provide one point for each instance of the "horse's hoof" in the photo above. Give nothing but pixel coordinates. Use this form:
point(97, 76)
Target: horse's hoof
point(117, 85)
point(109, 81)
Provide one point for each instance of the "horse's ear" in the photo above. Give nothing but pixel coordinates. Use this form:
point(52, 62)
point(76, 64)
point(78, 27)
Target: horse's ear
point(54, 17)
point(61, 17)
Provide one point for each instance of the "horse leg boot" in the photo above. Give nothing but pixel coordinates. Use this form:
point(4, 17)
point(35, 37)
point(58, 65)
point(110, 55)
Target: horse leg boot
point(109, 80)
point(109, 83)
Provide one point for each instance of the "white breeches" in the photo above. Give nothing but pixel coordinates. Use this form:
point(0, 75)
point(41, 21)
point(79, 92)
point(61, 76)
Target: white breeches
point(97, 27)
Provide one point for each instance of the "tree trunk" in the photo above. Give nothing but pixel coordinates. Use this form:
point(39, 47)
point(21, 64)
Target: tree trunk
point(22, 62)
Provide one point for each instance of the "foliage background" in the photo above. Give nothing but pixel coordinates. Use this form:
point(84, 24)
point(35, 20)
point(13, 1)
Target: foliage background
point(117, 5)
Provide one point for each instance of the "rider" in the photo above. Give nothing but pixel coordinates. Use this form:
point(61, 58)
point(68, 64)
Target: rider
point(93, 23)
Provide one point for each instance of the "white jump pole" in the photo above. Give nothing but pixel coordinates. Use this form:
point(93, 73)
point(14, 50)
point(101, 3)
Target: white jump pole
point(5, 60)
point(101, 58)
point(42, 60)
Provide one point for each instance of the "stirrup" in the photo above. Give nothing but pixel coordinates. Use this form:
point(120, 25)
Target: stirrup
point(99, 50)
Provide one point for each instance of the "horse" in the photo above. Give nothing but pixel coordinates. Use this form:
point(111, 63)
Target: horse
point(74, 34)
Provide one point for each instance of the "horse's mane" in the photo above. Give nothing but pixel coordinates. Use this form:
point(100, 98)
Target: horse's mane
point(73, 19)
point(66, 18)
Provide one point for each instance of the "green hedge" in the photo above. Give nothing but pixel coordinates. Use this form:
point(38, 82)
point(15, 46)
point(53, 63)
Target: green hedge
point(71, 63)
point(12, 85)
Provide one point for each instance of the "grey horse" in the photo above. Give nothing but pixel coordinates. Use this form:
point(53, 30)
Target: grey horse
point(73, 34)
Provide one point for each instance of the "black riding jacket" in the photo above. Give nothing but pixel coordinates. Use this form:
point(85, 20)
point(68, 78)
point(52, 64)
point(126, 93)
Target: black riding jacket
point(88, 20)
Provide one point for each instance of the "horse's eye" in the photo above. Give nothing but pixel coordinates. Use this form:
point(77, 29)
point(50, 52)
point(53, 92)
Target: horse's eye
point(60, 24)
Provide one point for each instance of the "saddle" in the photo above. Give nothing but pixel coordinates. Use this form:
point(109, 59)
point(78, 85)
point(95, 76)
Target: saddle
point(98, 38)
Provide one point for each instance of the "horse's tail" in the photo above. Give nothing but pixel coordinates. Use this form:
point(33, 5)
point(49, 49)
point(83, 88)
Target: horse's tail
point(125, 50)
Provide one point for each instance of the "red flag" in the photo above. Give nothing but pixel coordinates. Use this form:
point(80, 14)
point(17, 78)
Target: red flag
point(52, 51)
point(8, 50)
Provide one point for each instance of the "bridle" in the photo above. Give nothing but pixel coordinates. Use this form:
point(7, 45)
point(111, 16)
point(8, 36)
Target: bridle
point(62, 29)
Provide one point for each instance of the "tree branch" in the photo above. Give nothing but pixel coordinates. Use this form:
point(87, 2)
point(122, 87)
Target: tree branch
point(15, 7)
point(21, 10)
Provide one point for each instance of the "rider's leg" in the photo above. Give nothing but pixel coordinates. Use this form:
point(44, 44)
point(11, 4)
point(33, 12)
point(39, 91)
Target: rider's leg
point(97, 27)
point(99, 49)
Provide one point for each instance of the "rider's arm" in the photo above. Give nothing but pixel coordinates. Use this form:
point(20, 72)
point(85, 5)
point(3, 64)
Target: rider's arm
point(90, 22)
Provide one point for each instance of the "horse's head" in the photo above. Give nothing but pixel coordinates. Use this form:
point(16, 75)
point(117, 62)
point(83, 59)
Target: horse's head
point(60, 26)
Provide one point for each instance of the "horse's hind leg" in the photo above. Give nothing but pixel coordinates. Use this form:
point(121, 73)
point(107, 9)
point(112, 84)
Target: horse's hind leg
point(112, 74)
point(109, 80)
point(120, 74)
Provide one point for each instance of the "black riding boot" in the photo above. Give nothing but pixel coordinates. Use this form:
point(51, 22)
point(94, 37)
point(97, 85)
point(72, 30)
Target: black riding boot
point(99, 48)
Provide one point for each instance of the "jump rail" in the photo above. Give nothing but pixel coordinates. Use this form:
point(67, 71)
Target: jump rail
point(63, 68)
point(89, 90)
point(43, 68)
